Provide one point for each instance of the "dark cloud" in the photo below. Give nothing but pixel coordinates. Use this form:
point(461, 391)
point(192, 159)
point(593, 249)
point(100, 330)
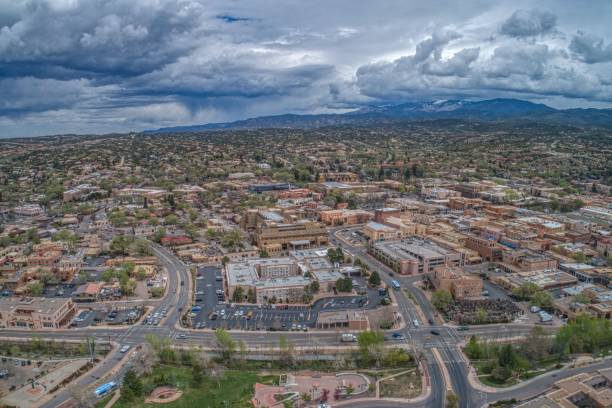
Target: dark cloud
point(527, 23)
point(590, 49)
point(113, 65)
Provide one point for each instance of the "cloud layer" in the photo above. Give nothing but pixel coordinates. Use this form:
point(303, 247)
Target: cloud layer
point(121, 65)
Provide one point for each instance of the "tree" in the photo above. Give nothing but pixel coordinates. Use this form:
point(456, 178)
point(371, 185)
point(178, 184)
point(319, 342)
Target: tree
point(472, 348)
point(159, 234)
point(481, 315)
point(227, 345)
point(315, 286)
point(344, 284)
point(232, 239)
point(264, 254)
point(120, 245)
point(374, 279)
point(335, 255)
point(238, 295)
point(108, 275)
point(369, 341)
point(507, 357)
point(251, 296)
point(525, 291)
point(141, 247)
point(441, 300)
point(452, 401)
point(132, 385)
point(542, 299)
point(35, 288)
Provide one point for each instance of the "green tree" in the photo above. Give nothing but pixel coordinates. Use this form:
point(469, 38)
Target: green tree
point(344, 284)
point(542, 299)
point(441, 300)
point(120, 245)
point(369, 343)
point(132, 385)
point(226, 344)
point(35, 288)
point(238, 295)
point(452, 401)
point(108, 275)
point(374, 279)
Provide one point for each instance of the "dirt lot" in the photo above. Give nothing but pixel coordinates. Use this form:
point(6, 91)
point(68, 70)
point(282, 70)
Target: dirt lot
point(406, 385)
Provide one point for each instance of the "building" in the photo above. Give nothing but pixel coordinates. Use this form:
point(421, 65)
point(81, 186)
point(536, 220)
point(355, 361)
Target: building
point(276, 237)
point(36, 313)
point(29, 210)
point(414, 255)
point(457, 282)
point(344, 177)
point(486, 248)
point(345, 217)
point(526, 261)
point(262, 188)
point(375, 231)
point(584, 390)
point(87, 292)
point(269, 279)
point(347, 320)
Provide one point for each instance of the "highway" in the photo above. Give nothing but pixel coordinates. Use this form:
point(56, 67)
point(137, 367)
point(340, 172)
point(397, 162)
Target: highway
point(178, 299)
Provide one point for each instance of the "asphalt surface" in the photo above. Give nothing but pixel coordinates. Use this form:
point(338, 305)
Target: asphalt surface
point(178, 299)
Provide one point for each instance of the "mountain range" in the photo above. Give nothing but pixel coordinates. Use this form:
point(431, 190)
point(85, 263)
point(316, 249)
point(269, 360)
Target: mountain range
point(492, 110)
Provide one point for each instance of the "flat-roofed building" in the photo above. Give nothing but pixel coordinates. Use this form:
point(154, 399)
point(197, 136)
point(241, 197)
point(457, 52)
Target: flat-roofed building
point(348, 320)
point(413, 255)
point(376, 231)
point(36, 313)
point(276, 237)
point(486, 248)
point(457, 282)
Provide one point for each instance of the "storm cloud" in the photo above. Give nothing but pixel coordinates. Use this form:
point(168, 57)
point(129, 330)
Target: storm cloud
point(123, 65)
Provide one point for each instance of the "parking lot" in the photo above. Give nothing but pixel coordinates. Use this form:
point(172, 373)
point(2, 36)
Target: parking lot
point(113, 316)
point(211, 312)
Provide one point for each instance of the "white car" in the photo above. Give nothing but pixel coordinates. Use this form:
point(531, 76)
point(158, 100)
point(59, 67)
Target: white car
point(125, 349)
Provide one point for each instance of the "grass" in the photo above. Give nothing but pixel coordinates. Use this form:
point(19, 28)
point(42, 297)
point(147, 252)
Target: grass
point(233, 388)
point(407, 385)
point(102, 403)
point(542, 366)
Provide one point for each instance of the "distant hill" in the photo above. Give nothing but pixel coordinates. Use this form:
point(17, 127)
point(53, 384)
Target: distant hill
point(487, 110)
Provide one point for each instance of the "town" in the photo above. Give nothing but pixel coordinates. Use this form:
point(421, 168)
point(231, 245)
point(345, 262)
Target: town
point(389, 265)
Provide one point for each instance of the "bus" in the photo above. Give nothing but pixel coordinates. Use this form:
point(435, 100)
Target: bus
point(395, 284)
point(105, 389)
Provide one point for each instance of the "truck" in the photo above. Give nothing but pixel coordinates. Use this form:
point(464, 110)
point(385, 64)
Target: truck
point(348, 338)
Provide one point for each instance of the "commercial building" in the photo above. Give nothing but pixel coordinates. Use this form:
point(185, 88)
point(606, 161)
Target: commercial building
point(36, 313)
point(592, 390)
point(457, 282)
point(414, 255)
point(345, 217)
point(277, 237)
point(486, 248)
point(375, 231)
point(270, 279)
point(347, 320)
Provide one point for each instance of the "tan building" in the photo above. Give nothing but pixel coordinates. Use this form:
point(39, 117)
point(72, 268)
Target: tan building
point(455, 281)
point(36, 313)
point(345, 217)
point(276, 237)
point(592, 390)
point(375, 231)
point(414, 255)
point(486, 248)
point(348, 320)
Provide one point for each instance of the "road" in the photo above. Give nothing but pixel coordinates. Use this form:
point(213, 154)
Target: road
point(178, 299)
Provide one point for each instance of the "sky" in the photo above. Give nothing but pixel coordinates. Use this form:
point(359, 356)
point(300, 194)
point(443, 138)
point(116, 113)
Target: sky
point(100, 66)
